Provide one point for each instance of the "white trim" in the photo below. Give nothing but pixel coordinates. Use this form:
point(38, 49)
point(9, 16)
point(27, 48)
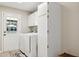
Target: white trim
point(2, 32)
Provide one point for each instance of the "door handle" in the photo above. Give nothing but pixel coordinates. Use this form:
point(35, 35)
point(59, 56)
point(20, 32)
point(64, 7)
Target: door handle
point(4, 31)
point(4, 34)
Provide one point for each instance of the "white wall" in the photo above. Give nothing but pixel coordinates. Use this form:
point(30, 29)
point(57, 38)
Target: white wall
point(23, 24)
point(70, 28)
point(20, 12)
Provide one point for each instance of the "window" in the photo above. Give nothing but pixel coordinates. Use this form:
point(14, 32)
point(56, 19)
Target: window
point(11, 25)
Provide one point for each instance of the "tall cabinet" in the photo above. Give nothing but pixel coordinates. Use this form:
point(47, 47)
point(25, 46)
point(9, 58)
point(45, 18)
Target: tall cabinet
point(49, 15)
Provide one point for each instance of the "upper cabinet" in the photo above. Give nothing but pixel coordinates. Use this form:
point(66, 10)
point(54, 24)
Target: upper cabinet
point(42, 9)
point(32, 19)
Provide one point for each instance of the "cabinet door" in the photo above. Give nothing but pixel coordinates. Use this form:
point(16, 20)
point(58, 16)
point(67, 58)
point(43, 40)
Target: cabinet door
point(36, 18)
point(42, 36)
point(42, 30)
point(24, 43)
point(32, 20)
point(32, 45)
point(42, 9)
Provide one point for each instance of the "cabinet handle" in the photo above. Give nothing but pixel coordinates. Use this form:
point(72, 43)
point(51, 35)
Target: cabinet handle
point(47, 46)
point(29, 44)
point(47, 31)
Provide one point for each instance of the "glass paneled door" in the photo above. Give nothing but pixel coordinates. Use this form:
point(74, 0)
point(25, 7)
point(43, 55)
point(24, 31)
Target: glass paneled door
point(10, 31)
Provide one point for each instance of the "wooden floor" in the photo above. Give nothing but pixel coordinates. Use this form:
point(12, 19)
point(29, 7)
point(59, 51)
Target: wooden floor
point(66, 55)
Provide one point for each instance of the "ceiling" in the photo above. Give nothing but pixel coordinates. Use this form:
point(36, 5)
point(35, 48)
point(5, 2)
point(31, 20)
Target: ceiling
point(70, 6)
point(25, 6)
point(31, 6)
point(69, 3)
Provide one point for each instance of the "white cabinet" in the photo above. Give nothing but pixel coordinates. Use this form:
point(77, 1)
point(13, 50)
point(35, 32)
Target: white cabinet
point(24, 43)
point(32, 45)
point(28, 44)
point(49, 29)
point(32, 19)
point(42, 36)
